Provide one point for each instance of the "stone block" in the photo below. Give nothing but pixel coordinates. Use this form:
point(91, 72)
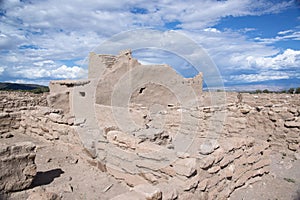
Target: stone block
point(185, 167)
point(17, 166)
point(149, 192)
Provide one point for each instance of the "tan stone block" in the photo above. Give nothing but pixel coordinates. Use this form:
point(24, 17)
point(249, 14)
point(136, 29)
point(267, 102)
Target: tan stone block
point(203, 184)
point(131, 180)
point(129, 195)
point(168, 170)
point(206, 162)
point(219, 155)
point(186, 167)
point(252, 159)
point(149, 177)
point(242, 180)
point(214, 169)
point(122, 139)
point(261, 163)
point(149, 192)
point(169, 190)
point(226, 160)
point(191, 183)
point(229, 171)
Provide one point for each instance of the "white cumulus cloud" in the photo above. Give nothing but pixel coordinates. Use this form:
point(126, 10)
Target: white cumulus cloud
point(289, 58)
point(64, 72)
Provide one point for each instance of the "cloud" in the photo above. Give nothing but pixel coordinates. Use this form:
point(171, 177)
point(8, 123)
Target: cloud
point(288, 59)
point(282, 36)
point(263, 76)
point(51, 71)
point(1, 70)
point(64, 72)
point(284, 32)
point(213, 30)
point(39, 38)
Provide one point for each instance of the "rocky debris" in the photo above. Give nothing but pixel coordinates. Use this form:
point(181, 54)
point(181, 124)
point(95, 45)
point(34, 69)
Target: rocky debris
point(208, 147)
point(148, 191)
point(42, 194)
point(17, 166)
point(141, 192)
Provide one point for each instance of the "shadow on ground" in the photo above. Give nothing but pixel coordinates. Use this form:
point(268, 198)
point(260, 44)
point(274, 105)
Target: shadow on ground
point(45, 178)
point(297, 196)
point(3, 196)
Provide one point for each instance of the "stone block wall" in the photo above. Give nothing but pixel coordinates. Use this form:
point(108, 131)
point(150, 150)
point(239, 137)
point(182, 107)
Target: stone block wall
point(9, 122)
point(213, 174)
point(11, 105)
point(50, 124)
point(16, 101)
point(17, 167)
point(279, 124)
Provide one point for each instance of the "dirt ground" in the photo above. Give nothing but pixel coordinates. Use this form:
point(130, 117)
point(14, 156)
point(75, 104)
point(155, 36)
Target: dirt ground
point(62, 169)
point(282, 183)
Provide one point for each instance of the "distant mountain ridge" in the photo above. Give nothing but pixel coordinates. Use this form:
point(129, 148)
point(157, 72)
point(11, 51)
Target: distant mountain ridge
point(24, 87)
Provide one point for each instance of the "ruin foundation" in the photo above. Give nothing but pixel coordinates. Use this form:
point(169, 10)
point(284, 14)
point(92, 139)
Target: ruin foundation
point(164, 142)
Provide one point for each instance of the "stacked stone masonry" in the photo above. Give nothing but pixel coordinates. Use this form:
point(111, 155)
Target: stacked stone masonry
point(235, 160)
point(17, 166)
point(11, 106)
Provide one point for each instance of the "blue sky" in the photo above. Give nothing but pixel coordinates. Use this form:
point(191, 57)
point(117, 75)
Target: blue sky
point(254, 43)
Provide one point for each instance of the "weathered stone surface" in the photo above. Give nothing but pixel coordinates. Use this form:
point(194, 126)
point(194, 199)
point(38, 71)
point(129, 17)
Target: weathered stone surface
point(206, 162)
point(122, 139)
point(203, 184)
point(208, 147)
point(186, 167)
point(148, 191)
point(292, 124)
point(17, 166)
point(214, 169)
point(169, 192)
point(42, 194)
point(129, 195)
point(130, 179)
point(191, 183)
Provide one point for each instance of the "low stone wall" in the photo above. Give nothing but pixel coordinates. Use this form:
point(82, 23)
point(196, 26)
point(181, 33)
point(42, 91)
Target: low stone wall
point(279, 124)
point(17, 167)
point(11, 105)
point(9, 122)
point(16, 101)
point(50, 124)
point(213, 174)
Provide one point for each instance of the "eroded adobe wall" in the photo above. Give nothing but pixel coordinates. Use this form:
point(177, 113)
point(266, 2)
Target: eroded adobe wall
point(110, 71)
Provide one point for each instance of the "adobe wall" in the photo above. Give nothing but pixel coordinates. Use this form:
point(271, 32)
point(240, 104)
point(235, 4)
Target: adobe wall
point(155, 79)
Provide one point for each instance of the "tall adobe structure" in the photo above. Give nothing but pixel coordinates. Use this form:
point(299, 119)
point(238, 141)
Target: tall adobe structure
point(147, 84)
point(150, 82)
